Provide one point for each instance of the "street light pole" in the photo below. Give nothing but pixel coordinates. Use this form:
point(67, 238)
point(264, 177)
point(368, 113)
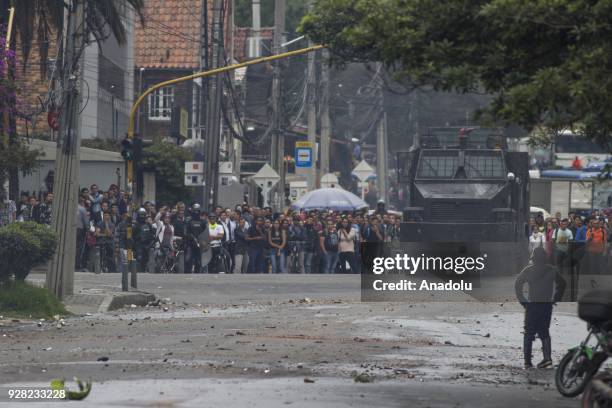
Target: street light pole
point(277, 151)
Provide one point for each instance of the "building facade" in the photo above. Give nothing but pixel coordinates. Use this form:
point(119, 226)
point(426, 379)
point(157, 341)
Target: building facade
point(108, 86)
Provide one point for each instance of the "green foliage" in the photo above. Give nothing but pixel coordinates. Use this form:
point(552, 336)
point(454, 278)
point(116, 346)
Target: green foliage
point(546, 62)
point(24, 246)
point(19, 156)
point(23, 299)
point(168, 162)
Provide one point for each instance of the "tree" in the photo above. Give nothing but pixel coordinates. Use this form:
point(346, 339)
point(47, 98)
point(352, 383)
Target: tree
point(546, 62)
point(168, 162)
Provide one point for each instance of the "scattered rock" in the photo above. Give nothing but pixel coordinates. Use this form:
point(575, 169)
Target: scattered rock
point(133, 306)
point(363, 378)
point(165, 309)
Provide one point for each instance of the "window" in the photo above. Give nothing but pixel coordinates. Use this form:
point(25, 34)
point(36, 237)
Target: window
point(160, 104)
point(438, 165)
point(576, 144)
point(484, 165)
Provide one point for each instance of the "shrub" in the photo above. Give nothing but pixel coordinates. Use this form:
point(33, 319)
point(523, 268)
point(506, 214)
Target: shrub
point(24, 246)
point(21, 299)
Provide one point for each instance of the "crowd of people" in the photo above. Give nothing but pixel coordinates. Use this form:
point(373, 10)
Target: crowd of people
point(110, 233)
point(580, 243)
point(248, 239)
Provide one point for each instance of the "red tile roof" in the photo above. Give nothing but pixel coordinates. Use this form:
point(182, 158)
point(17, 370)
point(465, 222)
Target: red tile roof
point(170, 37)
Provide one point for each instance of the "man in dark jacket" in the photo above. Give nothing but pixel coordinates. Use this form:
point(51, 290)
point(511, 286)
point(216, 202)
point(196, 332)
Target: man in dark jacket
point(546, 286)
point(241, 258)
point(144, 240)
point(195, 226)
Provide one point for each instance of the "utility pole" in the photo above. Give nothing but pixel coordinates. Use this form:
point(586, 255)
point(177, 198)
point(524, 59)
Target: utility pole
point(325, 121)
point(213, 112)
point(203, 97)
point(60, 277)
point(381, 158)
point(382, 170)
point(311, 89)
point(277, 152)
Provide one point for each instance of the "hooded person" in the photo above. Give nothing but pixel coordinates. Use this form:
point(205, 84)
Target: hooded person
point(545, 287)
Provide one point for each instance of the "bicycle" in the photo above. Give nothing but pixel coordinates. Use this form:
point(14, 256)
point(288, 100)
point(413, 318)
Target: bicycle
point(581, 363)
point(167, 257)
point(294, 256)
point(106, 252)
point(220, 257)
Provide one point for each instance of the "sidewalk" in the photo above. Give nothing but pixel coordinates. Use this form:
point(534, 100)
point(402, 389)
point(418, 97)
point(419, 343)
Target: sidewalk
point(95, 293)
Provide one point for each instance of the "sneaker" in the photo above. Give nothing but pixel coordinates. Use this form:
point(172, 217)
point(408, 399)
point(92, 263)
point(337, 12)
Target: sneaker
point(528, 366)
point(545, 364)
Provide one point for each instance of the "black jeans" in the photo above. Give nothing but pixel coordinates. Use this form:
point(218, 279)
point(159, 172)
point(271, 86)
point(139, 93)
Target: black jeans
point(349, 257)
point(537, 321)
point(194, 260)
point(256, 260)
point(80, 249)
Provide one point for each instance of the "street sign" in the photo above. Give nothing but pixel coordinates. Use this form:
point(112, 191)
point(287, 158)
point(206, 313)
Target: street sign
point(194, 167)
point(363, 170)
point(303, 154)
point(194, 179)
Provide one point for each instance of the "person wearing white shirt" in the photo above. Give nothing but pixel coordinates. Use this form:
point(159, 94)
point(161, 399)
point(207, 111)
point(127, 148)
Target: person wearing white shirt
point(216, 234)
point(229, 229)
point(537, 238)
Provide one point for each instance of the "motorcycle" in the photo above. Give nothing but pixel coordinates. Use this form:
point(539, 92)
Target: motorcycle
point(598, 394)
point(581, 363)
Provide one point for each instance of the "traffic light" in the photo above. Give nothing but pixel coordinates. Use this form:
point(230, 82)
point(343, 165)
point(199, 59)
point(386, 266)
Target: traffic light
point(127, 149)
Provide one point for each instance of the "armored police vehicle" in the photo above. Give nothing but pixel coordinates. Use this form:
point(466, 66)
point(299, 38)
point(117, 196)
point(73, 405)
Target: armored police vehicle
point(468, 194)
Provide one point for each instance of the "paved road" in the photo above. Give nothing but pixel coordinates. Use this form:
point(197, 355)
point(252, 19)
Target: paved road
point(254, 341)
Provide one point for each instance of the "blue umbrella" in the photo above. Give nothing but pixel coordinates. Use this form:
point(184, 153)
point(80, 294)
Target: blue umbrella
point(334, 199)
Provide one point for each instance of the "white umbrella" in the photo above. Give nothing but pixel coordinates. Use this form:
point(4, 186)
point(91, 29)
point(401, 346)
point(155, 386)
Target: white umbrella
point(334, 199)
